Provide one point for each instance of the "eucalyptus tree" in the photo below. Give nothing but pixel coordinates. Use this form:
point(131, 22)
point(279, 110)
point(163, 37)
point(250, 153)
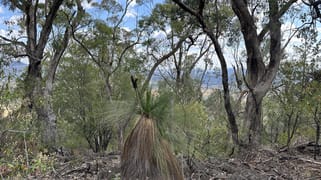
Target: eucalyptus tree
point(109, 42)
point(111, 46)
point(288, 92)
point(313, 105)
point(167, 40)
point(260, 73)
point(38, 22)
point(80, 100)
point(165, 27)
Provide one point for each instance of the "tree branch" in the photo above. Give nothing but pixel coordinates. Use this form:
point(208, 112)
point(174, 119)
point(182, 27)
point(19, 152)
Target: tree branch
point(160, 60)
point(46, 29)
point(282, 11)
point(13, 41)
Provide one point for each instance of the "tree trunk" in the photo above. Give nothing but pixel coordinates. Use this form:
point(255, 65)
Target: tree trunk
point(259, 75)
point(317, 133)
point(48, 121)
point(108, 87)
point(253, 115)
point(38, 90)
point(39, 99)
point(120, 138)
point(317, 138)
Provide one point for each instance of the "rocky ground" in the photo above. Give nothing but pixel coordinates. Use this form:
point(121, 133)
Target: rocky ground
point(266, 164)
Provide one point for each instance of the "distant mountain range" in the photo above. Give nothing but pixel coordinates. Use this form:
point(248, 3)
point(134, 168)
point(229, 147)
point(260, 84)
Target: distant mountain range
point(15, 68)
point(212, 78)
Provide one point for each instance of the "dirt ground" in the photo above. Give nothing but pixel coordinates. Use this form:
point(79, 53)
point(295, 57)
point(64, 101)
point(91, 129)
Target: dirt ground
point(265, 164)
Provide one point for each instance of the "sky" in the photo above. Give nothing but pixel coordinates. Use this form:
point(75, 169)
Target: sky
point(133, 13)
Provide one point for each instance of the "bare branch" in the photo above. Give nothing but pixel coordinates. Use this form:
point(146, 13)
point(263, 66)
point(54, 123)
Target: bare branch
point(13, 41)
point(281, 12)
point(160, 60)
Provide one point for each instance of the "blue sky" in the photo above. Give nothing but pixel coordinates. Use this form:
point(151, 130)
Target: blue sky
point(135, 11)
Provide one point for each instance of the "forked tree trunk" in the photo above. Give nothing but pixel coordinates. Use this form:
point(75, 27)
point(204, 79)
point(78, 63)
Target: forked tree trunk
point(259, 76)
point(38, 96)
point(38, 89)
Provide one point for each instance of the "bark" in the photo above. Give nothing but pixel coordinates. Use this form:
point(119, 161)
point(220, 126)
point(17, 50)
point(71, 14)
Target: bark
point(109, 89)
point(253, 115)
point(317, 138)
point(121, 130)
point(178, 68)
point(120, 138)
point(108, 86)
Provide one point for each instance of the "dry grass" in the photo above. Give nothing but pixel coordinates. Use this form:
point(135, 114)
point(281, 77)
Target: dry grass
point(147, 156)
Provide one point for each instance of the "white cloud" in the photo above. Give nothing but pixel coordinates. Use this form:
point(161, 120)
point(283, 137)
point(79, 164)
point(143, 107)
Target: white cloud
point(87, 5)
point(158, 34)
point(126, 29)
point(13, 34)
point(161, 34)
point(24, 60)
point(15, 18)
point(1, 9)
point(3, 32)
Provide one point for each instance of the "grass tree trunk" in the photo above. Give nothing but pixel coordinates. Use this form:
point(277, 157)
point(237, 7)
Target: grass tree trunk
point(147, 156)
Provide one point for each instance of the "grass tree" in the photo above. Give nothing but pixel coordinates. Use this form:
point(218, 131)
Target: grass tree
point(146, 153)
